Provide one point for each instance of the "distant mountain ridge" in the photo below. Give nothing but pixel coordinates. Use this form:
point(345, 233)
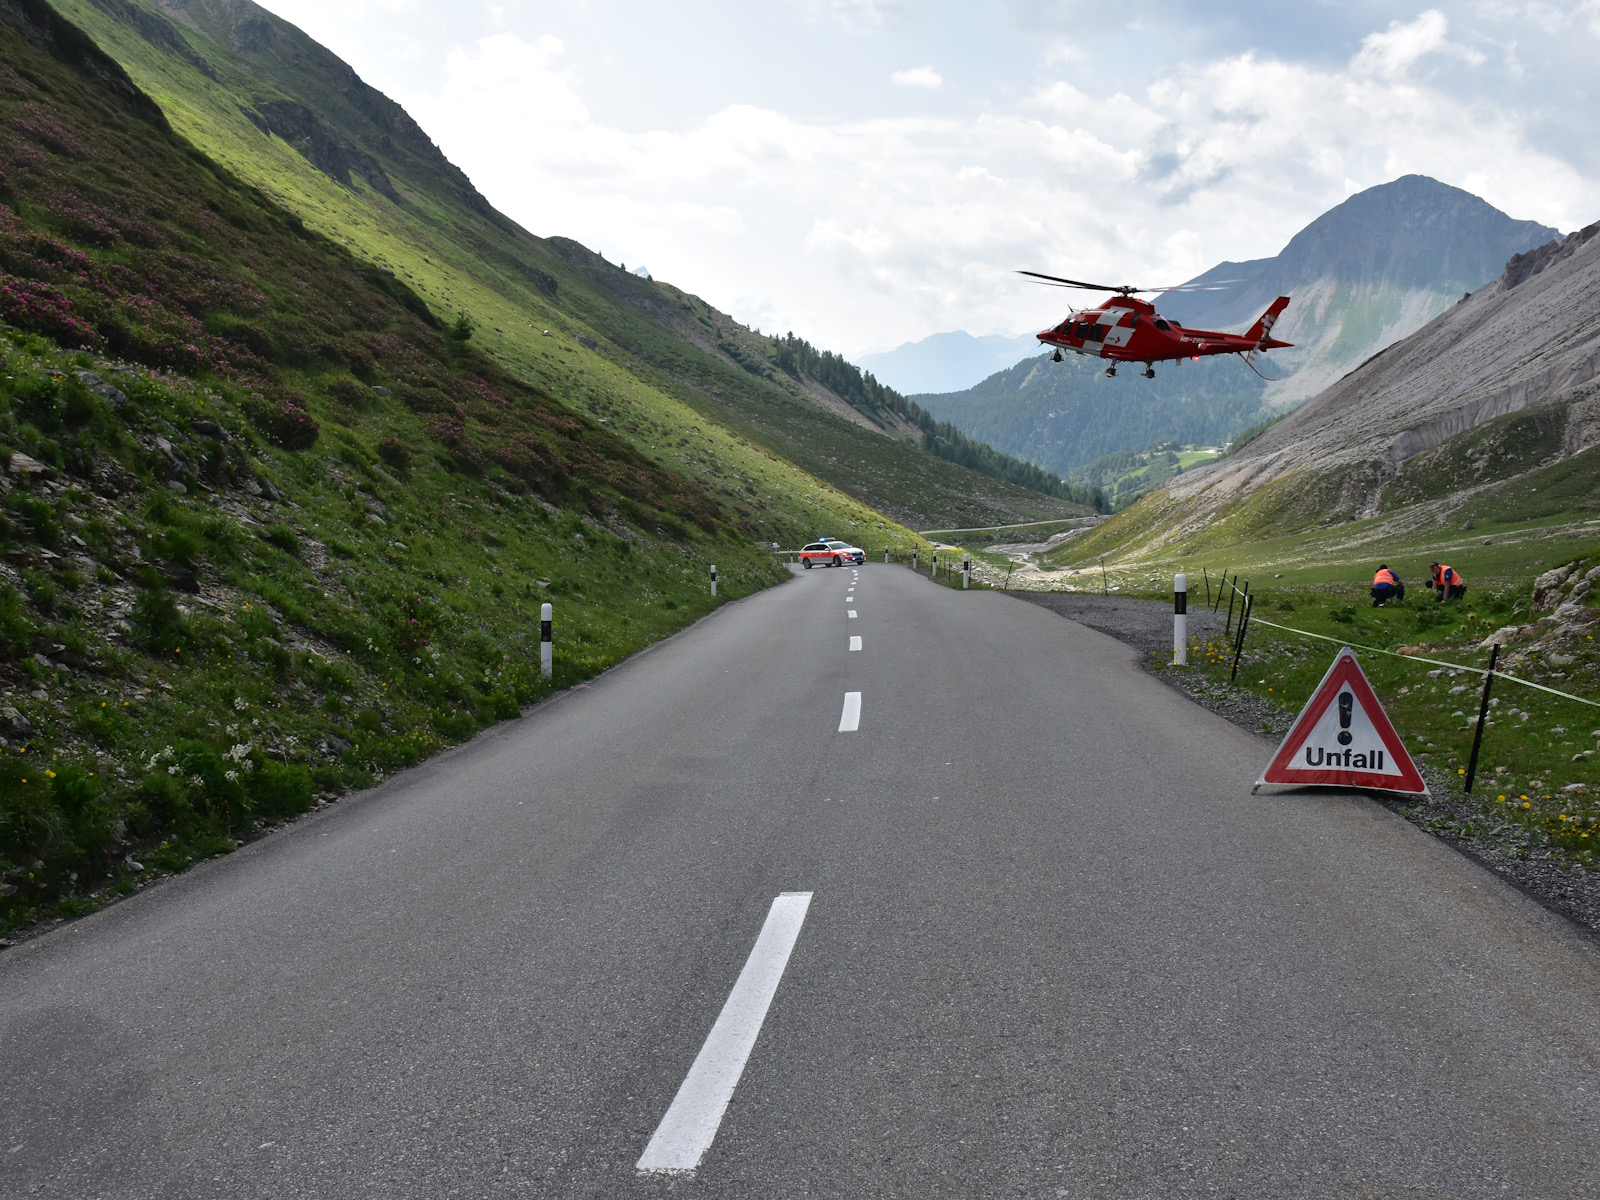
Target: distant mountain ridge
point(947, 362)
point(1365, 274)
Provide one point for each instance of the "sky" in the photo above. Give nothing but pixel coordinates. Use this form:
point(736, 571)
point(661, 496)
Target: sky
point(869, 172)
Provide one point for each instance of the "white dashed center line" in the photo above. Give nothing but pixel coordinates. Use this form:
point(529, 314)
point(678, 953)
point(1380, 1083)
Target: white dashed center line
point(850, 719)
point(849, 599)
point(686, 1132)
point(851, 613)
point(855, 643)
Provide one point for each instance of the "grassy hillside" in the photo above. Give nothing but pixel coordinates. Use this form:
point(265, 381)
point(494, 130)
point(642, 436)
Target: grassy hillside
point(267, 530)
point(291, 119)
point(1537, 794)
point(1066, 415)
point(1122, 477)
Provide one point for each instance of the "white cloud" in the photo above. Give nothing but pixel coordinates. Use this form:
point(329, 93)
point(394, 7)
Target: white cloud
point(1392, 54)
point(869, 231)
point(923, 77)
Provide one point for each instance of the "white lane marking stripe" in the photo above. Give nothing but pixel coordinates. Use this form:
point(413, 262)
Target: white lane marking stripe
point(851, 613)
point(692, 1120)
point(849, 599)
point(850, 719)
point(855, 643)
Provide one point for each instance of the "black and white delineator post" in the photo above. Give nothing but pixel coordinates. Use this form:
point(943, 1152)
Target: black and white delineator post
point(914, 553)
point(966, 573)
point(934, 573)
point(1180, 619)
point(713, 579)
point(546, 655)
point(886, 554)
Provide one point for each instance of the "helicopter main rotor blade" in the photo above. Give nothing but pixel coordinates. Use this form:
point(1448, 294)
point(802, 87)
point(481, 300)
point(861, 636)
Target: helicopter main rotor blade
point(1210, 285)
point(1077, 283)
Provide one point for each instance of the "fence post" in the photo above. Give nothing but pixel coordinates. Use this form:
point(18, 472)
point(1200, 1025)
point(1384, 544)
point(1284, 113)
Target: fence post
point(1227, 627)
point(546, 655)
point(1011, 567)
point(966, 573)
point(1206, 575)
point(713, 580)
point(1483, 713)
point(1105, 587)
point(1220, 586)
point(1180, 619)
point(1244, 623)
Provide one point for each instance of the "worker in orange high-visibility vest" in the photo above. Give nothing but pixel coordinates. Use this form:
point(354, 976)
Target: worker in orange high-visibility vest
point(1447, 582)
point(1386, 586)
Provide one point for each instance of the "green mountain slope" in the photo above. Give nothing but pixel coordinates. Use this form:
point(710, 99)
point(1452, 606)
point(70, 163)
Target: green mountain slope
point(267, 531)
point(292, 119)
point(1068, 414)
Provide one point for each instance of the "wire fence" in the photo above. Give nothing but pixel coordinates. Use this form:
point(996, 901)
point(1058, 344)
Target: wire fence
point(1432, 662)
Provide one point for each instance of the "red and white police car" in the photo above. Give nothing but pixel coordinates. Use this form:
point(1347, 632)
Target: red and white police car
point(831, 552)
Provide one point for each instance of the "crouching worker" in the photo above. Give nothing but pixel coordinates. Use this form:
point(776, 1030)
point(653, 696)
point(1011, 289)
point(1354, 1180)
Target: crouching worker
point(1386, 586)
point(1447, 582)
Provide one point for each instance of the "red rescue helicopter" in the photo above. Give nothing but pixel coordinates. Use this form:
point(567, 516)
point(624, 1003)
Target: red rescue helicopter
point(1123, 328)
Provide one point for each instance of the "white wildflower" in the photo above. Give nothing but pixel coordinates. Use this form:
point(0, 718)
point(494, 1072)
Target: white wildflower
point(240, 703)
point(231, 776)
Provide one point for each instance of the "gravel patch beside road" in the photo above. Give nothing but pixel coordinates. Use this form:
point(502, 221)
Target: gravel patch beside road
point(1538, 870)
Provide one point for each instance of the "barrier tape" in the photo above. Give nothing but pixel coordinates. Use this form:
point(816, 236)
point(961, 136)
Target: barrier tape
point(1431, 661)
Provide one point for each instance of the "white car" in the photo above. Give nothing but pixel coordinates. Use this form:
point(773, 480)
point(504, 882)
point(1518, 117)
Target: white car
point(831, 552)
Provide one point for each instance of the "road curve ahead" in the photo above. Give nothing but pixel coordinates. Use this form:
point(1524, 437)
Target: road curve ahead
point(860, 888)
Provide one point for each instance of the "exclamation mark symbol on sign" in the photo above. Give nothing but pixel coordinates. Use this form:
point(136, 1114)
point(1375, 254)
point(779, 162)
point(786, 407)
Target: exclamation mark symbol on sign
point(1347, 704)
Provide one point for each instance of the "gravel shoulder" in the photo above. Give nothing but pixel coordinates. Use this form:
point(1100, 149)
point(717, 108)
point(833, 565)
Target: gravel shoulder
point(1539, 871)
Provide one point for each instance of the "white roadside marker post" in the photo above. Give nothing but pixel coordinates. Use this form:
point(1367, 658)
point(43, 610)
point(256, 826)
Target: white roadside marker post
point(966, 573)
point(1180, 620)
point(545, 648)
point(886, 555)
point(934, 573)
point(913, 558)
point(713, 580)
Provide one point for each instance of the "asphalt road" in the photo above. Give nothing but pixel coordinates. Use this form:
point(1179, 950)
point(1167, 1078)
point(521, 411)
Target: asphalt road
point(1053, 948)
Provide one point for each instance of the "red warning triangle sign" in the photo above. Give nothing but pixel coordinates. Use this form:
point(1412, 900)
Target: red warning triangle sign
point(1343, 738)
